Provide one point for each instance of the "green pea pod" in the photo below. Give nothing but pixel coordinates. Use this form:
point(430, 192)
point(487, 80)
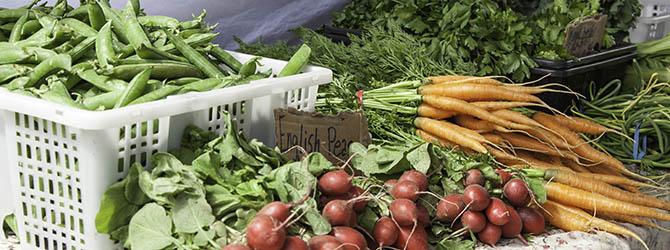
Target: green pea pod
point(9, 71)
point(160, 70)
point(117, 22)
point(104, 48)
point(106, 100)
point(79, 27)
point(195, 57)
point(58, 93)
point(67, 46)
point(156, 94)
point(17, 30)
point(105, 83)
point(42, 70)
point(148, 52)
point(134, 89)
point(13, 55)
point(183, 81)
point(297, 61)
point(158, 21)
point(249, 67)
point(31, 27)
point(59, 9)
point(133, 28)
point(194, 41)
point(95, 15)
point(3, 38)
point(136, 6)
point(79, 13)
point(11, 15)
point(226, 58)
point(195, 23)
point(23, 92)
point(60, 34)
point(81, 48)
point(200, 86)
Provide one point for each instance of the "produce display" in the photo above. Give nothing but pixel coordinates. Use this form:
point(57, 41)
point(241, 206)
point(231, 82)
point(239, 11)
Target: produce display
point(98, 58)
point(464, 154)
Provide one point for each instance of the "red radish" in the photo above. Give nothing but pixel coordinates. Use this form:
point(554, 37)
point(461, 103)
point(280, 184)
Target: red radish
point(335, 183)
point(517, 193)
point(476, 221)
point(474, 176)
point(236, 247)
point(295, 243)
point(490, 234)
point(265, 232)
point(533, 221)
point(505, 176)
point(403, 211)
point(417, 240)
point(277, 209)
point(405, 190)
point(450, 207)
point(420, 179)
point(513, 228)
point(359, 205)
point(476, 197)
point(324, 199)
point(385, 231)
point(351, 236)
point(423, 217)
point(497, 212)
point(353, 221)
point(338, 213)
point(390, 183)
point(324, 242)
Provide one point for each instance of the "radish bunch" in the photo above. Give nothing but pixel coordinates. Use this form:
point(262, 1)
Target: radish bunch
point(490, 218)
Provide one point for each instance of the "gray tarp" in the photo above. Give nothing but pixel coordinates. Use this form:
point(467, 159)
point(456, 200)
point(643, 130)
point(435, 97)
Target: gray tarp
point(246, 19)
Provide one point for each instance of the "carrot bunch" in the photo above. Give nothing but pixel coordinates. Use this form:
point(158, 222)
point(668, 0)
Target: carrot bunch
point(477, 114)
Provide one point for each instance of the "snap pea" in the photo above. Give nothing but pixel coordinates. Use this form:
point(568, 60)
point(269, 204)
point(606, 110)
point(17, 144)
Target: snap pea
point(81, 48)
point(69, 45)
point(58, 93)
point(59, 35)
point(80, 13)
point(160, 70)
point(95, 15)
point(13, 55)
point(136, 6)
point(149, 52)
point(133, 29)
point(9, 71)
point(200, 86)
point(249, 67)
point(11, 15)
point(195, 23)
point(73, 77)
point(23, 92)
point(158, 21)
point(59, 9)
point(226, 58)
point(103, 46)
point(117, 22)
point(156, 94)
point(194, 41)
point(134, 89)
point(79, 27)
point(106, 100)
point(102, 82)
point(184, 80)
point(31, 27)
point(17, 30)
point(3, 38)
point(47, 67)
point(297, 61)
point(135, 60)
point(195, 57)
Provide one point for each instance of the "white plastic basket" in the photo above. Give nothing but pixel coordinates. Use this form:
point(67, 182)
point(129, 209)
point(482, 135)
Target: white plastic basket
point(653, 23)
point(62, 159)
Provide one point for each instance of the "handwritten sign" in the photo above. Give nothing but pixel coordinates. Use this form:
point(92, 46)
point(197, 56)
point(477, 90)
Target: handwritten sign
point(330, 135)
point(585, 35)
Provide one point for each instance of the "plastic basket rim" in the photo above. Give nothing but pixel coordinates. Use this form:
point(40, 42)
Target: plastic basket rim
point(173, 105)
point(656, 19)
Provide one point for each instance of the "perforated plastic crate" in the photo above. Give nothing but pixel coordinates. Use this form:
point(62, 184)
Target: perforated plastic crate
point(654, 21)
point(61, 159)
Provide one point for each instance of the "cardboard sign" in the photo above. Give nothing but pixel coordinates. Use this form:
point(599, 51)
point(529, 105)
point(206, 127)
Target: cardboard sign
point(330, 135)
point(585, 35)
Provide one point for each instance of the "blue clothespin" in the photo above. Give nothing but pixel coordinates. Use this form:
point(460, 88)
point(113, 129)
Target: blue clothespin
point(636, 144)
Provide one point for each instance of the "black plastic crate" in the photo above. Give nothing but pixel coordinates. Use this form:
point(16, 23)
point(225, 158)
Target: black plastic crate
point(578, 73)
point(339, 34)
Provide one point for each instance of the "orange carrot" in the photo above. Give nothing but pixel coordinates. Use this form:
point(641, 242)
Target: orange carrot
point(592, 185)
point(504, 156)
point(586, 200)
point(575, 166)
point(574, 219)
point(426, 110)
point(472, 123)
point(517, 117)
point(616, 180)
point(446, 103)
point(497, 105)
point(583, 149)
point(605, 170)
point(535, 163)
point(549, 138)
point(630, 219)
point(476, 92)
point(463, 79)
point(439, 129)
point(434, 139)
point(581, 125)
point(527, 143)
point(494, 138)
